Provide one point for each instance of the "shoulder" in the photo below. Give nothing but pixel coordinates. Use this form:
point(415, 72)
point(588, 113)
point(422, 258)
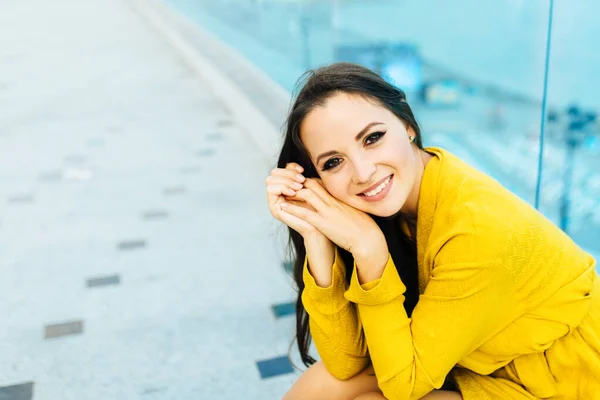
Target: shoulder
point(475, 212)
point(467, 195)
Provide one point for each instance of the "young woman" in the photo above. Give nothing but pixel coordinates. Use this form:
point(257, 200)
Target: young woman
point(415, 271)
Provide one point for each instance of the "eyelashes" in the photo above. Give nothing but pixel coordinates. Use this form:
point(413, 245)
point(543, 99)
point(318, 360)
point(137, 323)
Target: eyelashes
point(375, 136)
point(369, 140)
point(332, 162)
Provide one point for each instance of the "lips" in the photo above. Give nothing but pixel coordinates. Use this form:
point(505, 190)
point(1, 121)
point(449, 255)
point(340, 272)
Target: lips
point(374, 186)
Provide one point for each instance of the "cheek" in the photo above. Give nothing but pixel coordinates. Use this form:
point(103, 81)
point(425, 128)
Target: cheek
point(401, 158)
point(398, 154)
point(337, 185)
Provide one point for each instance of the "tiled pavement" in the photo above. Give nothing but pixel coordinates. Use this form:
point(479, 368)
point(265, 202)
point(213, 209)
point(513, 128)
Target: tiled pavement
point(138, 258)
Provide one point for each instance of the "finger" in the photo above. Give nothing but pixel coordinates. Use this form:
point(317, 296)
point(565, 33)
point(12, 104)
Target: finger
point(311, 198)
point(304, 214)
point(295, 166)
point(283, 180)
point(280, 189)
point(297, 224)
point(288, 173)
point(299, 203)
point(318, 188)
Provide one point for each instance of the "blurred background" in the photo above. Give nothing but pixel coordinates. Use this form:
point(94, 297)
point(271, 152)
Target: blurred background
point(139, 260)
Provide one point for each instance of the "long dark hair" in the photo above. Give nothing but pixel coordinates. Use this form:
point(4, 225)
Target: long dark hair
point(312, 90)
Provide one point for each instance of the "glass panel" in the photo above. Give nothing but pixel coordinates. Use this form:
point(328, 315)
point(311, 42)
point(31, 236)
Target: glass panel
point(474, 79)
point(571, 168)
point(473, 71)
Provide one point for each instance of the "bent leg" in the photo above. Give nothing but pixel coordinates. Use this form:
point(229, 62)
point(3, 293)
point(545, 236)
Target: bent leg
point(435, 395)
point(316, 383)
point(443, 395)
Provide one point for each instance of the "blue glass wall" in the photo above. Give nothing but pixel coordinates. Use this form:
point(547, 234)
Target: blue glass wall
point(474, 71)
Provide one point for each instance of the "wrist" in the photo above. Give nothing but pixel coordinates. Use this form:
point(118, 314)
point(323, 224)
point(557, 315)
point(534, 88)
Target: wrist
point(320, 252)
point(371, 256)
point(371, 244)
point(318, 241)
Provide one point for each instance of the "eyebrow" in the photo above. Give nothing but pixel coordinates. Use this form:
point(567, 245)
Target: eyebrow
point(359, 136)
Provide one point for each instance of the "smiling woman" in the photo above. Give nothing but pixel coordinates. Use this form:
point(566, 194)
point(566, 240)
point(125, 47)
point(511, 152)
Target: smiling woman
point(420, 277)
point(359, 168)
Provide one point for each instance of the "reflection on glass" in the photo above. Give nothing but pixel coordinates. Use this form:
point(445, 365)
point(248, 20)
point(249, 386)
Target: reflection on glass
point(571, 174)
point(473, 71)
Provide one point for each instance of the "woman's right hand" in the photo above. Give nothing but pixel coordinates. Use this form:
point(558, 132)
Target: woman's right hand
point(282, 185)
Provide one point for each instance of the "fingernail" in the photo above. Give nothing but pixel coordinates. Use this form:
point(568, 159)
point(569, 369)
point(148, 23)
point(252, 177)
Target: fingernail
point(297, 185)
point(299, 168)
point(300, 178)
point(283, 205)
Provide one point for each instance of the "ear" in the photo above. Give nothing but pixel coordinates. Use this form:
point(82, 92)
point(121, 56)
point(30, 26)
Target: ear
point(411, 133)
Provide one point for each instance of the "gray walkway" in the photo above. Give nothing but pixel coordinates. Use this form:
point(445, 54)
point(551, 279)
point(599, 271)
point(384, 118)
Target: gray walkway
point(132, 207)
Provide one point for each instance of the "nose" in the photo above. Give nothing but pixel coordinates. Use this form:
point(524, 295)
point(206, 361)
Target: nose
point(363, 173)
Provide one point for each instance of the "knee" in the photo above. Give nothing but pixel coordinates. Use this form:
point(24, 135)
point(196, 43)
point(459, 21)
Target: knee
point(371, 396)
point(316, 383)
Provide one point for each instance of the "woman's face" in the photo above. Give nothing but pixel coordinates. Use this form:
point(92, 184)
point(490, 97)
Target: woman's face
point(362, 153)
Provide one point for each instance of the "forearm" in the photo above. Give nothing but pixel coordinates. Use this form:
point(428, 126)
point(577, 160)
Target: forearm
point(320, 252)
point(371, 258)
point(334, 323)
point(341, 343)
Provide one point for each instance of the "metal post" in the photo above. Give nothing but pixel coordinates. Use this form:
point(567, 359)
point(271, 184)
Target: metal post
point(544, 98)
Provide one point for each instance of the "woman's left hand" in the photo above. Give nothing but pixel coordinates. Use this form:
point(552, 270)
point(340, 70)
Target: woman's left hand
point(349, 228)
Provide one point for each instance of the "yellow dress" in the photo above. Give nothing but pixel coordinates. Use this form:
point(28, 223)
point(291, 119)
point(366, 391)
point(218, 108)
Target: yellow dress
point(508, 304)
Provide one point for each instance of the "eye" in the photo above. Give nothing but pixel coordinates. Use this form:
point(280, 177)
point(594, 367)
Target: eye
point(374, 137)
point(332, 162)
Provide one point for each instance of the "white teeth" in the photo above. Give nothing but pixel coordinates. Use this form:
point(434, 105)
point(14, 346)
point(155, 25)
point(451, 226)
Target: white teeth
point(378, 188)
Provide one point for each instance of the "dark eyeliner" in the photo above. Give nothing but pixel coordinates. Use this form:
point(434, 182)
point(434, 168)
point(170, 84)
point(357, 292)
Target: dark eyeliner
point(380, 135)
point(325, 167)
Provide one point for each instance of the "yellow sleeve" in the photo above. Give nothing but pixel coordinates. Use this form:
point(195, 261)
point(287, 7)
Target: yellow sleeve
point(468, 300)
point(334, 324)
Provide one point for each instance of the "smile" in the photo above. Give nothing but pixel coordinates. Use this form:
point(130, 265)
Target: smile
point(379, 191)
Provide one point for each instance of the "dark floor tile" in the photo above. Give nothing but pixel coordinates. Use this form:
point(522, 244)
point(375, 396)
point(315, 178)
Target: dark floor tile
point(96, 142)
point(131, 244)
point(104, 281)
point(75, 159)
point(53, 176)
point(63, 329)
point(21, 199)
point(284, 309)
point(174, 190)
point(205, 153)
point(225, 122)
point(214, 137)
point(156, 214)
point(274, 367)
point(152, 390)
point(21, 391)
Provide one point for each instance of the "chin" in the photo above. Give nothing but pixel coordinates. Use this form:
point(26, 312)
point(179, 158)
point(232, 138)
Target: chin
point(390, 209)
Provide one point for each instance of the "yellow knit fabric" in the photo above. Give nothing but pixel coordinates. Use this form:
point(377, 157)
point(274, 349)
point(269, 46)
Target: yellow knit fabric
point(508, 303)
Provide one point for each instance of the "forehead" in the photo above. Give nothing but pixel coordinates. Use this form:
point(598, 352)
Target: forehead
point(340, 118)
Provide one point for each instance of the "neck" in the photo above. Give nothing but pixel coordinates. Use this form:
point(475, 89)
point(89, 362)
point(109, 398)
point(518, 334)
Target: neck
point(410, 210)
